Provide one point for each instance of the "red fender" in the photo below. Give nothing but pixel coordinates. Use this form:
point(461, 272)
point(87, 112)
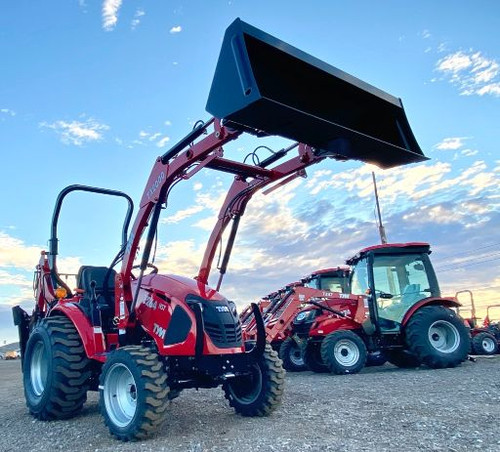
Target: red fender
point(333, 324)
point(449, 302)
point(92, 338)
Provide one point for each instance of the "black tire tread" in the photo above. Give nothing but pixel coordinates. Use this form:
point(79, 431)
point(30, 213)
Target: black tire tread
point(273, 387)
point(477, 343)
point(327, 354)
point(313, 360)
point(155, 399)
point(417, 341)
point(284, 354)
point(71, 371)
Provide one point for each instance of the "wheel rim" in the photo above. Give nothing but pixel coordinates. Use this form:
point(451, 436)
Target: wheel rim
point(488, 344)
point(38, 369)
point(247, 389)
point(346, 352)
point(120, 395)
point(444, 336)
point(296, 355)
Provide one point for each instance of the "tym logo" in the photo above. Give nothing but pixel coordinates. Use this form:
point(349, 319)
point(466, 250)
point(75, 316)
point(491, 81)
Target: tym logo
point(222, 308)
point(159, 331)
point(155, 184)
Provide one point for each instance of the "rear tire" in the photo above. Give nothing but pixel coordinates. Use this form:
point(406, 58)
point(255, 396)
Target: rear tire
point(343, 352)
point(259, 393)
point(133, 392)
point(438, 337)
point(56, 370)
point(291, 355)
point(312, 358)
point(484, 344)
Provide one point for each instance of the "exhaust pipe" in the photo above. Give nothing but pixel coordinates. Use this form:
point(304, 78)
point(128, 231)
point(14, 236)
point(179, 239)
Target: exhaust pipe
point(263, 85)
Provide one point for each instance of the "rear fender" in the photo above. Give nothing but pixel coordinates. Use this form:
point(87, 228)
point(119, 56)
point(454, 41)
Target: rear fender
point(433, 301)
point(92, 337)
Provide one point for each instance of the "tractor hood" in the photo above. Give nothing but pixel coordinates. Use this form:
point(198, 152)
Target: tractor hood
point(180, 287)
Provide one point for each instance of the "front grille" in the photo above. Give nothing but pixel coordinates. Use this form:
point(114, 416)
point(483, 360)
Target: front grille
point(302, 329)
point(223, 328)
point(224, 334)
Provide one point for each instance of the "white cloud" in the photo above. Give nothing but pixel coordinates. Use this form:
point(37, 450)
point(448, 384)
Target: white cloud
point(469, 152)
point(77, 132)
point(163, 142)
point(137, 18)
point(452, 143)
point(110, 13)
point(176, 29)
point(471, 72)
point(7, 111)
point(197, 186)
point(182, 214)
point(426, 34)
point(13, 279)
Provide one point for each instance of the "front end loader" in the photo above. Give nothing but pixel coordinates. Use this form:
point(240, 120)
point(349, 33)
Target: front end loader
point(283, 307)
point(140, 337)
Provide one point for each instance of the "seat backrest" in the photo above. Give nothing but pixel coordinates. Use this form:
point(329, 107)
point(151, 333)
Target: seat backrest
point(411, 294)
point(87, 274)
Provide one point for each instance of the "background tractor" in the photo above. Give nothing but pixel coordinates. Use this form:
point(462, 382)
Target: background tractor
point(140, 337)
point(398, 314)
point(485, 337)
point(287, 302)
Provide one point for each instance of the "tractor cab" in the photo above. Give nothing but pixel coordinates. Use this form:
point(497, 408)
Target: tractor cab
point(334, 279)
point(395, 277)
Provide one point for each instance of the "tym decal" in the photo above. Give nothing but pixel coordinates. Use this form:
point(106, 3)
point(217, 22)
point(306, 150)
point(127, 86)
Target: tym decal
point(222, 308)
point(155, 184)
point(159, 331)
point(150, 303)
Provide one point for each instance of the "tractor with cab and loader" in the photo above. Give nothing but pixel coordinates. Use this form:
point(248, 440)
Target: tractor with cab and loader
point(395, 310)
point(140, 337)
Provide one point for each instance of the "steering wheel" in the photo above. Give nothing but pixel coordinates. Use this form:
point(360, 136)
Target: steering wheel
point(148, 265)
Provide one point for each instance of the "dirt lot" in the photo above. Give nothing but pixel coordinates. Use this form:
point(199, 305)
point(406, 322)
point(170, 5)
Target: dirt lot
point(379, 409)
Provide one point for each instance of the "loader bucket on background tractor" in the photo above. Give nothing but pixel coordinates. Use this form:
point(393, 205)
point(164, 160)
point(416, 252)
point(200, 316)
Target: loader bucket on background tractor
point(263, 84)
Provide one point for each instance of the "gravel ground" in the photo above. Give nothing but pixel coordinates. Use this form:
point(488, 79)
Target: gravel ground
point(380, 409)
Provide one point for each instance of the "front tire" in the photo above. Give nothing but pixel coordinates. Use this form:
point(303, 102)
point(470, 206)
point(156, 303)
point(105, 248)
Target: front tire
point(312, 358)
point(437, 337)
point(343, 352)
point(259, 393)
point(484, 344)
point(133, 392)
point(56, 370)
point(291, 355)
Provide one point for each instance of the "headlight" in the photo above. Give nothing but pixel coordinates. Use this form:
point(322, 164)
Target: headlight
point(302, 316)
point(232, 308)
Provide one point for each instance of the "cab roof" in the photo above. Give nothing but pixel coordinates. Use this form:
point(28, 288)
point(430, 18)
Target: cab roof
point(391, 248)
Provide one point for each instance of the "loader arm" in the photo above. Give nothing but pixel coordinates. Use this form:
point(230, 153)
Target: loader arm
point(240, 193)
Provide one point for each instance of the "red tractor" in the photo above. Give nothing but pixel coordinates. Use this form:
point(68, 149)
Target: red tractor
point(285, 305)
point(399, 315)
point(486, 337)
point(140, 337)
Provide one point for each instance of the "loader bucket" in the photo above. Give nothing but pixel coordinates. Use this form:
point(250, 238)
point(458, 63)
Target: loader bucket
point(262, 84)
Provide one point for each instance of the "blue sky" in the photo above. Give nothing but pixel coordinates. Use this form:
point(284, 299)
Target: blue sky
point(92, 91)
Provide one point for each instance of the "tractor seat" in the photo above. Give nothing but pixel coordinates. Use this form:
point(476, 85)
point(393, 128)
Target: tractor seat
point(85, 276)
point(411, 294)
